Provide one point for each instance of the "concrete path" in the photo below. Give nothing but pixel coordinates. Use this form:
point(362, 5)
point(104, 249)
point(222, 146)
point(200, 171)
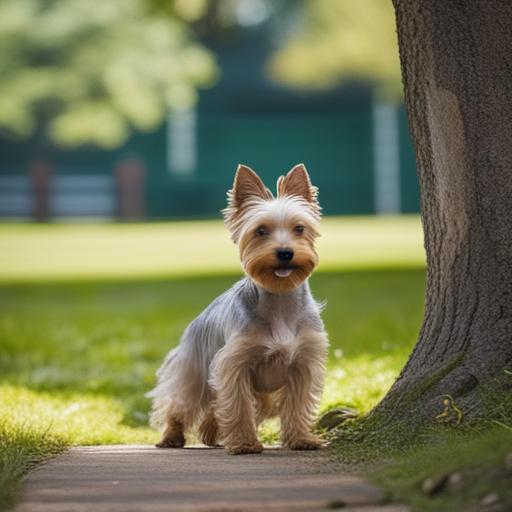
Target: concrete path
point(144, 479)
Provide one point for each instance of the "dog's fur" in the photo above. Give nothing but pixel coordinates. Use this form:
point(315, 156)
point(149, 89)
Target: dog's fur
point(259, 349)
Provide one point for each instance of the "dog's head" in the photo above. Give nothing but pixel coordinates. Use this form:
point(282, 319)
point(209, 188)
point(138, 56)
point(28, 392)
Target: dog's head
point(275, 236)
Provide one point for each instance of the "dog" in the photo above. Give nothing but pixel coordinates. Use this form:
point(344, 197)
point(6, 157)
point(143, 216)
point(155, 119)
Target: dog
point(258, 350)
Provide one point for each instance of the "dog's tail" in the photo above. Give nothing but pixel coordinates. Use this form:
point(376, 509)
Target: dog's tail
point(168, 380)
point(180, 389)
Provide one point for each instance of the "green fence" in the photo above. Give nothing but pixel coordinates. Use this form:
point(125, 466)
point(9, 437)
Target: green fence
point(336, 146)
point(337, 149)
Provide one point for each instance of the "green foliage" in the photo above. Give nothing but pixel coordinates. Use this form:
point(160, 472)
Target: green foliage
point(94, 70)
point(340, 40)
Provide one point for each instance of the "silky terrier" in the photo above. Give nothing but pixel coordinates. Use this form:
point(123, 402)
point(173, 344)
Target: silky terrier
point(259, 349)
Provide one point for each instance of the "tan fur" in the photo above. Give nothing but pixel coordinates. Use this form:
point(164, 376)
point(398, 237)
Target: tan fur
point(173, 436)
point(301, 394)
point(259, 261)
point(235, 401)
point(249, 209)
point(267, 406)
point(266, 369)
point(297, 182)
point(209, 429)
point(186, 408)
point(239, 408)
point(247, 187)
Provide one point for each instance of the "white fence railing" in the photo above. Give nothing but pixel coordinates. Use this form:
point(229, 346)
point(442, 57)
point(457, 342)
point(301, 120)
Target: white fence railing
point(69, 196)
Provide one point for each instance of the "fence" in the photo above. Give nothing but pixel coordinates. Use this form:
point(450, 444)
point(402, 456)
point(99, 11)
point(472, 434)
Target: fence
point(42, 194)
point(359, 156)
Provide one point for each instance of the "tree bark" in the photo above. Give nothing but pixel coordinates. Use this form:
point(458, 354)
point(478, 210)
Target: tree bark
point(456, 59)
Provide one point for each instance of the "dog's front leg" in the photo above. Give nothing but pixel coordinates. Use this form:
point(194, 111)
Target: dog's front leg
point(235, 403)
point(301, 395)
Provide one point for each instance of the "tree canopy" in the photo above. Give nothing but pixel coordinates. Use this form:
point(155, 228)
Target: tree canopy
point(338, 40)
point(91, 72)
point(94, 70)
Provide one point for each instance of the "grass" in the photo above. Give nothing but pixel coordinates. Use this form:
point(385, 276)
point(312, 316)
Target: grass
point(481, 461)
point(113, 251)
point(87, 313)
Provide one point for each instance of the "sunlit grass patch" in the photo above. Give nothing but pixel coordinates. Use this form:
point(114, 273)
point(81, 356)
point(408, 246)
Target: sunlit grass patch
point(21, 447)
point(73, 418)
point(359, 382)
point(35, 425)
point(70, 251)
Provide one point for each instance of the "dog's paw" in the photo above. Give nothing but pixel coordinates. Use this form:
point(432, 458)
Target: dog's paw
point(243, 448)
point(306, 443)
point(210, 441)
point(173, 442)
point(209, 437)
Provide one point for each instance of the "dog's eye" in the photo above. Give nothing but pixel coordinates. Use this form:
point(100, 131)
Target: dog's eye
point(261, 231)
point(299, 229)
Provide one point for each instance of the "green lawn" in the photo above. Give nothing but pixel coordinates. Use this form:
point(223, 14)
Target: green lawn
point(87, 313)
point(109, 251)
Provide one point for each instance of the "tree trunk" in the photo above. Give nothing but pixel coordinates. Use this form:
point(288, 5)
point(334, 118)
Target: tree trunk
point(456, 58)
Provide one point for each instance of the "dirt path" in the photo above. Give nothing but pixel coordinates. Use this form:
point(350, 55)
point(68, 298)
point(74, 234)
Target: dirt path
point(144, 479)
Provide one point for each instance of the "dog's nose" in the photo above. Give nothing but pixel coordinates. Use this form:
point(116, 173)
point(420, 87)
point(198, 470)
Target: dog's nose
point(284, 254)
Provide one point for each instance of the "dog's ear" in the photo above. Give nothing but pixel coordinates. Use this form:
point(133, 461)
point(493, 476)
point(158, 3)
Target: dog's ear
point(297, 183)
point(247, 185)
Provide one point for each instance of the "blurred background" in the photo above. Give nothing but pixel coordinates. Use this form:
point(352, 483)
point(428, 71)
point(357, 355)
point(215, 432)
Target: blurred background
point(142, 109)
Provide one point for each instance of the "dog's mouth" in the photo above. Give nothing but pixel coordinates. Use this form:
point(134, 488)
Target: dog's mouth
point(283, 271)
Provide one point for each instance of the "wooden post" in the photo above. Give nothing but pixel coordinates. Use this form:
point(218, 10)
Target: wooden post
point(129, 175)
point(40, 172)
